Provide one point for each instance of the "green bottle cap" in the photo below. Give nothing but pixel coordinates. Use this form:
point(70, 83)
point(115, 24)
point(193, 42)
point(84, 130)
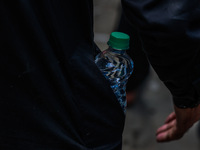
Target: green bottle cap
point(119, 41)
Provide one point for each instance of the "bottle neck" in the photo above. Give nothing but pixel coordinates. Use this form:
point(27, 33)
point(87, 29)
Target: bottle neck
point(118, 51)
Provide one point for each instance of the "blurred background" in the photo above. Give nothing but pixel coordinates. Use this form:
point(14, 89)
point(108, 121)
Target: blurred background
point(154, 104)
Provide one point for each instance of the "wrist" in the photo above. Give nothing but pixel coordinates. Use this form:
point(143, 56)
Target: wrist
point(186, 117)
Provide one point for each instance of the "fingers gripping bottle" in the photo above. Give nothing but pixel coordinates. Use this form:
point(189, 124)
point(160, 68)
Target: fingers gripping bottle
point(116, 65)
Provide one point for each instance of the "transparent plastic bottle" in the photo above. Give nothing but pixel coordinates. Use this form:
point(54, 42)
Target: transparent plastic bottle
point(116, 65)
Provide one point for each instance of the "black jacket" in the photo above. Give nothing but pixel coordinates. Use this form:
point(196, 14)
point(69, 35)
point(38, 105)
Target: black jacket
point(170, 35)
point(52, 94)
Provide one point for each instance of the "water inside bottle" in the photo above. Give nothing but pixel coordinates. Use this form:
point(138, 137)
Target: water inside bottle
point(117, 67)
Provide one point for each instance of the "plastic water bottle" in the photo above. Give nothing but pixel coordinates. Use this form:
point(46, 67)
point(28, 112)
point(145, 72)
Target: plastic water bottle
point(116, 65)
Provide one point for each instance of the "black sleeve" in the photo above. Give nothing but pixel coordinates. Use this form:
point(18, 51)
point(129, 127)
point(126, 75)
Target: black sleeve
point(170, 34)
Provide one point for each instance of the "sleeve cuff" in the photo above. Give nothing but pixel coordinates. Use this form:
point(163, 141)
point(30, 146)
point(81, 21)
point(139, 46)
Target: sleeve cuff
point(190, 99)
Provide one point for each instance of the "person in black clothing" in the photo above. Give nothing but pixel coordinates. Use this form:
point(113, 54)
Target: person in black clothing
point(169, 31)
point(47, 70)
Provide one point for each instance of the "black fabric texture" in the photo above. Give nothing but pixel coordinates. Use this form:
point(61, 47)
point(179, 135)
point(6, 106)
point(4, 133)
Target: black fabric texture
point(52, 94)
point(169, 32)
